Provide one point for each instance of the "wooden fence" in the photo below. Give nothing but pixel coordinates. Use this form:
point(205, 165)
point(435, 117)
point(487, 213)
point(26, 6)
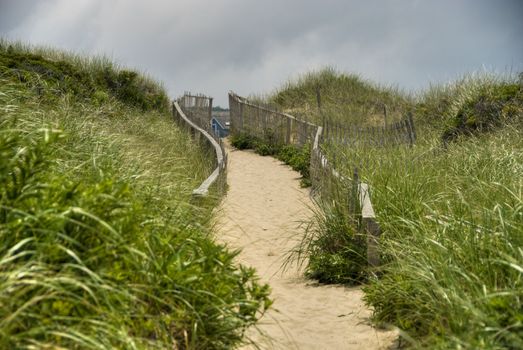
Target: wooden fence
point(198, 108)
point(397, 133)
point(267, 122)
point(194, 112)
point(331, 185)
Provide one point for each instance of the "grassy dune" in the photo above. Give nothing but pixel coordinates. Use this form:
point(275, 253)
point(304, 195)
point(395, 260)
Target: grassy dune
point(342, 98)
point(450, 208)
point(100, 245)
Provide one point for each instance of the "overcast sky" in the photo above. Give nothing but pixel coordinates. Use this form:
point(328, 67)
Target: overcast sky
point(253, 46)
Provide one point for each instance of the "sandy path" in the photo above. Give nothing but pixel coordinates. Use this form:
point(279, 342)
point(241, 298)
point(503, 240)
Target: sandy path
point(261, 214)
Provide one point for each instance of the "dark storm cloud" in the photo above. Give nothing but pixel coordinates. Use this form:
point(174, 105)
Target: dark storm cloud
point(252, 46)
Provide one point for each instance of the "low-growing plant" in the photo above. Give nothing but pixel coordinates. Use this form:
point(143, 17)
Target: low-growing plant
point(452, 264)
point(297, 157)
point(264, 149)
point(242, 141)
point(332, 248)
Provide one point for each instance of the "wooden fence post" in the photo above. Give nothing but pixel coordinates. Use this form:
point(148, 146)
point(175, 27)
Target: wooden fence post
point(210, 111)
point(373, 232)
point(261, 120)
point(354, 200)
point(288, 135)
point(306, 137)
point(318, 98)
point(241, 117)
point(385, 113)
point(412, 132)
point(369, 226)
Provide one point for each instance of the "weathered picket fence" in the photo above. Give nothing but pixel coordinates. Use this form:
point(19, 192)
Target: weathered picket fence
point(195, 112)
point(198, 108)
point(397, 133)
point(331, 185)
point(267, 122)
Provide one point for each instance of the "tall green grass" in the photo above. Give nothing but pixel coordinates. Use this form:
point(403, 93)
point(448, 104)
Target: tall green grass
point(54, 72)
point(451, 243)
point(473, 104)
point(101, 247)
point(451, 213)
point(331, 249)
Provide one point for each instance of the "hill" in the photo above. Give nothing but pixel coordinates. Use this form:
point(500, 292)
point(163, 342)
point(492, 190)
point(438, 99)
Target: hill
point(101, 247)
point(450, 207)
point(343, 97)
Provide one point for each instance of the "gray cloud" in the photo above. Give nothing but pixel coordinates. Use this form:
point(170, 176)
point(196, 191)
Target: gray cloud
point(253, 46)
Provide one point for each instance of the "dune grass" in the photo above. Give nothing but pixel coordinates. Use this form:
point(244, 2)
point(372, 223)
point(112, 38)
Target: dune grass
point(450, 209)
point(101, 247)
point(340, 97)
point(451, 244)
point(451, 213)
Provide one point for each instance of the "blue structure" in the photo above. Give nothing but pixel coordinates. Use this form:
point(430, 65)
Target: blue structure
point(220, 126)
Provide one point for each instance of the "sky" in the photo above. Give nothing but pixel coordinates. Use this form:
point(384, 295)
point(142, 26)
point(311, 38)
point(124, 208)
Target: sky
point(254, 46)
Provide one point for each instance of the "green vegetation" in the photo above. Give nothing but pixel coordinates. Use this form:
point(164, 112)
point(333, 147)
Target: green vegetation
point(332, 247)
point(95, 78)
point(100, 246)
point(342, 98)
point(451, 245)
point(472, 105)
point(297, 157)
point(243, 141)
point(450, 209)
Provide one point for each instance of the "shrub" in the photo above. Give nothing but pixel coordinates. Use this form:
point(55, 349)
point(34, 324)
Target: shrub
point(242, 141)
point(100, 97)
point(263, 149)
point(298, 158)
point(335, 252)
point(491, 106)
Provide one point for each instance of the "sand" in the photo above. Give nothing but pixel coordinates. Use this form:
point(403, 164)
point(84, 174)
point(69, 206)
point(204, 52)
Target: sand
point(262, 214)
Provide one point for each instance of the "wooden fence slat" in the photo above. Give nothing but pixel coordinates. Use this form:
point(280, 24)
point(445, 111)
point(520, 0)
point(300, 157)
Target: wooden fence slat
point(288, 134)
